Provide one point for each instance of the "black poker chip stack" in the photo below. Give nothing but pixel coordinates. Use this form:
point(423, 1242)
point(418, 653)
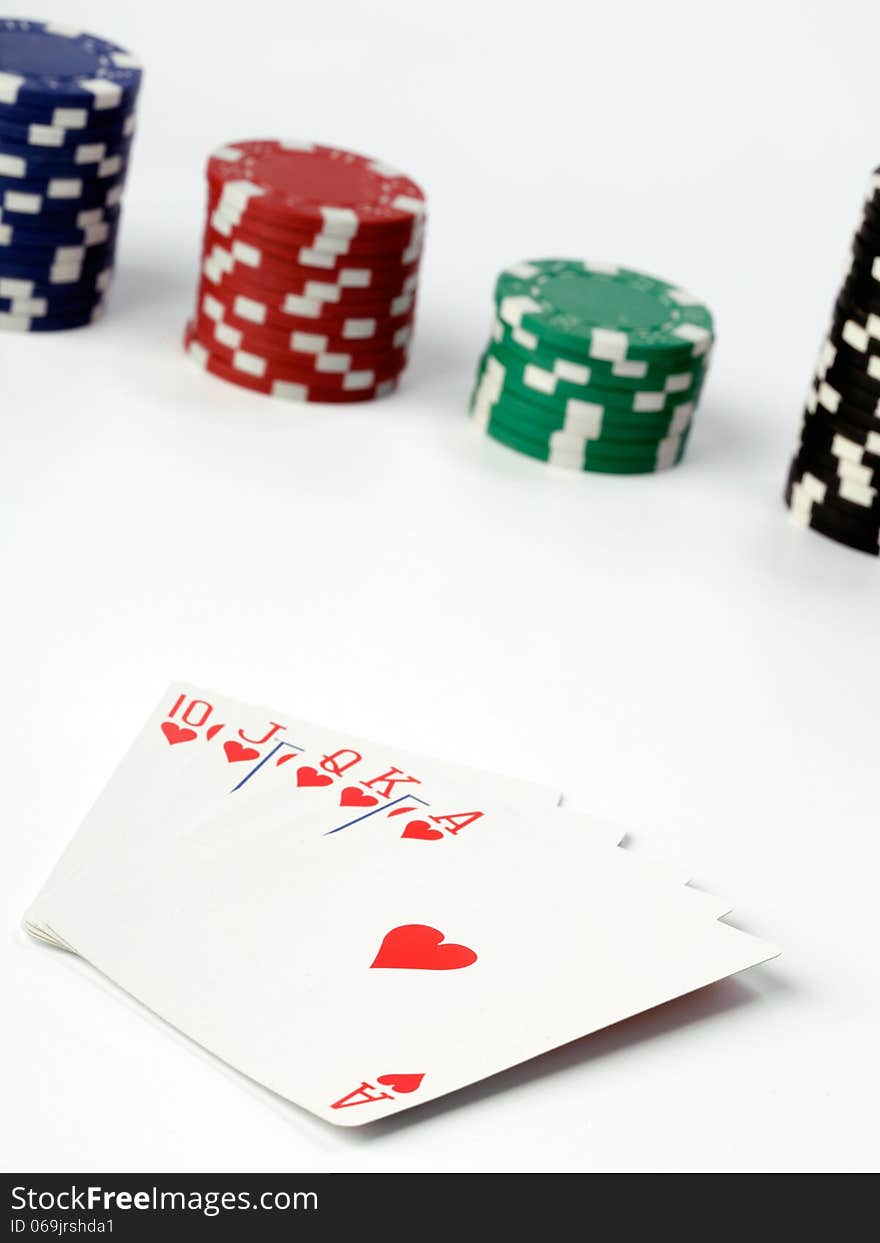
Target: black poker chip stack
point(833, 484)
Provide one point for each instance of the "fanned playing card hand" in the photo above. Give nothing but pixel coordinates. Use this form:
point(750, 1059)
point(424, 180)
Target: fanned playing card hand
point(360, 928)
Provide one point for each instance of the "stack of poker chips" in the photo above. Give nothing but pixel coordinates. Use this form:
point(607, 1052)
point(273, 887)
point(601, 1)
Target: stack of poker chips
point(67, 103)
point(309, 270)
point(592, 367)
point(834, 479)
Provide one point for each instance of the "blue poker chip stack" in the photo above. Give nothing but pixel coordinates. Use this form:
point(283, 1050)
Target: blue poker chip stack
point(67, 116)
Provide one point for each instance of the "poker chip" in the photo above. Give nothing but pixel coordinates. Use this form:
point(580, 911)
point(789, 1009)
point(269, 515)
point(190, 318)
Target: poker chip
point(358, 271)
point(833, 484)
point(346, 370)
point(309, 271)
point(36, 260)
point(585, 458)
point(564, 381)
point(29, 241)
point(350, 285)
point(322, 353)
point(318, 305)
point(12, 321)
point(58, 202)
point(562, 366)
point(586, 419)
point(58, 287)
point(592, 368)
point(315, 250)
point(87, 160)
point(828, 507)
point(70, 227)
point(347, 335)
point(607, 313)
point(315, 188)
point(47, 67)
point(57, 139)
point(67, 121)
point(286, 389)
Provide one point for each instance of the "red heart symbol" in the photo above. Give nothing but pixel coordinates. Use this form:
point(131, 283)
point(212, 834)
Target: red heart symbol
point(175, 734)
point(235, 752)
point(416, 947)
point(351, 796)
point(400, 1083)
point(421, 830)
point(307, 776)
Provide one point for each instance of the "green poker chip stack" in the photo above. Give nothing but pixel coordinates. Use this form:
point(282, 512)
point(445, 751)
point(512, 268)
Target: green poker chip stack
point(592, 367)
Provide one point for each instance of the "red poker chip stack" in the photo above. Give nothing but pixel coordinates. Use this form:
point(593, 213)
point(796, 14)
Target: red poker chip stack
point(309, 270)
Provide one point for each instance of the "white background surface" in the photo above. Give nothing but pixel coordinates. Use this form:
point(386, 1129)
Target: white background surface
point(667, 649)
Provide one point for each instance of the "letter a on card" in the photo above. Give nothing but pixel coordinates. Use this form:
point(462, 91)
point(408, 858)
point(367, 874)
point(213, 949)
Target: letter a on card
point(458, 821)
point(361, 1096)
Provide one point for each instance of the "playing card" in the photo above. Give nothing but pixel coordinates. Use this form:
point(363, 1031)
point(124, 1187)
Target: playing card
point(199, 749)
point(171, 759)
point(361, 972)
point(304, 770)
point(297, 790)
